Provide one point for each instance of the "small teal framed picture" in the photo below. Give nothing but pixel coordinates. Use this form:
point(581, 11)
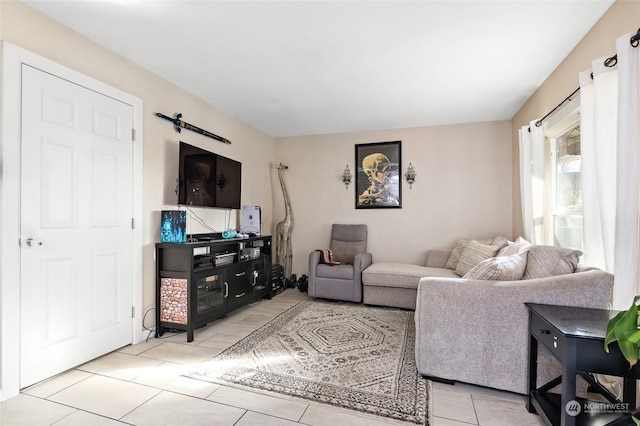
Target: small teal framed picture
point(173, 226)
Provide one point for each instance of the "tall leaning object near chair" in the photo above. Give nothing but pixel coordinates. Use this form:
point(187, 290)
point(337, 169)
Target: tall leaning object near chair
point(344, 281)
point(284, 252)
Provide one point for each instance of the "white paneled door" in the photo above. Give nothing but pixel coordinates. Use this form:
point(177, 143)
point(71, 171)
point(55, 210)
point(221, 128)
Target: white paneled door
point(76, 225)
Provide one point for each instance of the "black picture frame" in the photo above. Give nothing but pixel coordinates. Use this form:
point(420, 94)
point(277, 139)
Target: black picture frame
point(383, 163)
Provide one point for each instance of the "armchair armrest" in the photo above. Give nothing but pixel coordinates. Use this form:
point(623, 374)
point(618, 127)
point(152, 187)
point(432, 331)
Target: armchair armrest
point(361, 261)
point(314, 260)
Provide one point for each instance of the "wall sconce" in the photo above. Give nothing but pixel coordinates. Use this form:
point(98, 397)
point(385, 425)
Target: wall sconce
point(410, 175)
point(346, 177)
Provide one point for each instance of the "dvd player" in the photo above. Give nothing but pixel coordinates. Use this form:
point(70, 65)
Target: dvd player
point(223, 258)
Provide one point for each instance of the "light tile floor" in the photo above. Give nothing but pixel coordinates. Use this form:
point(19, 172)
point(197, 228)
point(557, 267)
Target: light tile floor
point(143, 385)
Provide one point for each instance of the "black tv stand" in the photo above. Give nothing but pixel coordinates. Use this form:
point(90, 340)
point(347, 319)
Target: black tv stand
point(200, 281)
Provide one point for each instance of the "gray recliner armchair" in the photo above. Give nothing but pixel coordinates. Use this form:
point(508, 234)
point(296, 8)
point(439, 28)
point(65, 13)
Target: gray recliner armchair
point(344, 281)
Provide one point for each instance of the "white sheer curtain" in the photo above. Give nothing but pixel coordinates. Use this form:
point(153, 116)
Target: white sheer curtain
point(532, 181)
point(610, 128)
point(627, 239)
point(598, 116)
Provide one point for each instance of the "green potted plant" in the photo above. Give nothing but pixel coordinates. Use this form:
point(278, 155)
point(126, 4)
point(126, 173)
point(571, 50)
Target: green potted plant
point(623, 328)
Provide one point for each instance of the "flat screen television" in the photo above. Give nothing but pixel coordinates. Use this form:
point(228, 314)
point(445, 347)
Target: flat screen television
point(207, 179)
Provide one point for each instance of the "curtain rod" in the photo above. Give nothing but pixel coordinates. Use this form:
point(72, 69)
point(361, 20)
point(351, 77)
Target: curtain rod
point(568, 98)
point(609, 62)
point(635, 40)
point(613, 60)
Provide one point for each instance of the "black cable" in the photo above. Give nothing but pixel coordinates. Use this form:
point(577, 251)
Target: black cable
point(145, 316)
point(150, 330)
point(153, 329)
point(198, 219)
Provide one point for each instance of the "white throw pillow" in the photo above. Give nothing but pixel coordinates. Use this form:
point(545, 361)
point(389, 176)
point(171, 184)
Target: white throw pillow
point(518, 246)
point(474, 253)
point(502, 268)
point(500, 242)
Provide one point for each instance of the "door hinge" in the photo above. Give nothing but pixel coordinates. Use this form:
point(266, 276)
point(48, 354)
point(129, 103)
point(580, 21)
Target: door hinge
point(133, 312)
point(133, 223)
point(133, 134)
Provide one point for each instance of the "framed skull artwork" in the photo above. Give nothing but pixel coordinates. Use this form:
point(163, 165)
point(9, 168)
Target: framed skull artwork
point(378, 175)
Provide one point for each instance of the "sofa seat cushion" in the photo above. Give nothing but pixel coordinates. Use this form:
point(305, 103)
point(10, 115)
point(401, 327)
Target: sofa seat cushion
point(404, 275)
point(342, 272)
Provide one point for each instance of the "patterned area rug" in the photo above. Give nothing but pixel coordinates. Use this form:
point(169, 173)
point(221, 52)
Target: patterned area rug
point(353, 356)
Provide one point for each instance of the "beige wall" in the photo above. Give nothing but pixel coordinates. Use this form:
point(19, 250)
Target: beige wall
point(621, 18)
point(463, 189)
point(33, 31)
point(467, 183)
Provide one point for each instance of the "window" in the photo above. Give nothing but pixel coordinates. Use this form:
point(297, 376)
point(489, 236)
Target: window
point(564, 200)
point(566, 208)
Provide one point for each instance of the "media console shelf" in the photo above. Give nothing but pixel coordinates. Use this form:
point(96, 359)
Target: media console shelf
point(198, 282)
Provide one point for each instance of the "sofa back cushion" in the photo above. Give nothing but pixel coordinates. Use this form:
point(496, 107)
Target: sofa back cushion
point(474, 253)
point(457, 252)
point(503, 268)
point(549, 261)
point(454, 257)
point(347, 241)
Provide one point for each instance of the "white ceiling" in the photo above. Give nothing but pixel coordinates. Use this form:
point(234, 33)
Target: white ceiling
point(299, 68)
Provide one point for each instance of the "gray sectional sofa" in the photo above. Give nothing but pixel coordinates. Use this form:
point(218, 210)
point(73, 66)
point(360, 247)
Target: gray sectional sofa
point(396, 284)
point(476, 330)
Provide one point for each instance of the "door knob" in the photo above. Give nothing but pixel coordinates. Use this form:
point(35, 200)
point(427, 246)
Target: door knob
point(34, 242)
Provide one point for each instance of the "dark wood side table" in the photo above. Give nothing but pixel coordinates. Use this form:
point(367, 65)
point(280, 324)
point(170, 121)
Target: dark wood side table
point(575, 337)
